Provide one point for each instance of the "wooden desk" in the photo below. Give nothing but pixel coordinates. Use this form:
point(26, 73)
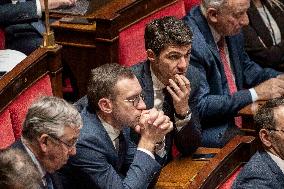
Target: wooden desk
point(88, 46)
point(188, 173)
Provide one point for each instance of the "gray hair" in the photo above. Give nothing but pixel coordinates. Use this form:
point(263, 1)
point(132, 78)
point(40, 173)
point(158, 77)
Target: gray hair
point(50, 115)
point(18, 171)
point(206, 4)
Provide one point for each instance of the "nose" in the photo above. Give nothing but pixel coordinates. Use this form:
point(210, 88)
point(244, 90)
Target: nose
point(72, 151)
point(245, 20)
point(183, 63)
point(141, 105)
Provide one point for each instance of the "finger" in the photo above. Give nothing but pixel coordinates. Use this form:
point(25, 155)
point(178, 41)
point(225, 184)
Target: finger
point(180, 82)
point(153, 114)
point(186, 81)
point(160, 120)
point(281, 76)
point(172, 93)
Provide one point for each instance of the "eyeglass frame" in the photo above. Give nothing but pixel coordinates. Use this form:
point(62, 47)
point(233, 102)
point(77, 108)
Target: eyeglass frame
point(138, 97)
point(282, 130)
point(65, 143)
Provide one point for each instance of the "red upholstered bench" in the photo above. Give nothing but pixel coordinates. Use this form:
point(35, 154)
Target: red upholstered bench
point(229, 182)
point(38, 75)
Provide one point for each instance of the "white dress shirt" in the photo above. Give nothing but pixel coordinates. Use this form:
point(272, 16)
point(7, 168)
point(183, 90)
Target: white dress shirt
point(277, 160)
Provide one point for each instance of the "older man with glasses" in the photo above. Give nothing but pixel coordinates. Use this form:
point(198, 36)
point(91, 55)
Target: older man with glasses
point(266, 167)
point(106, 157)
point(49, 136)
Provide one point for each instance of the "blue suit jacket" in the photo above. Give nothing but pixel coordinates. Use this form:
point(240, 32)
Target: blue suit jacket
point(261, 172)
point(56, 181)
point(216, 106)
point(188, 138)
point(96, 163)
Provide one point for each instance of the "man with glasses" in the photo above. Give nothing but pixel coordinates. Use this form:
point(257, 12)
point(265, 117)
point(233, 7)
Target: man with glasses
point(168, 83)
point(106, 157)
point(49, 136)
point(265, 169)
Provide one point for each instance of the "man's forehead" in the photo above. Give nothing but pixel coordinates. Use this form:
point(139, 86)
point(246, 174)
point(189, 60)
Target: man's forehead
point(177, 48)
point(237, 6)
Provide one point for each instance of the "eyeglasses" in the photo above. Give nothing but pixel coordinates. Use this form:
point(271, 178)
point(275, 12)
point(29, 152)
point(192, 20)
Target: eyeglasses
point(276, 130)
point(68, 145)
point(135, 101)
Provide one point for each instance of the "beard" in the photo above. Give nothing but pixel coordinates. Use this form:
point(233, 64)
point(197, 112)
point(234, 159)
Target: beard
point(124, 119)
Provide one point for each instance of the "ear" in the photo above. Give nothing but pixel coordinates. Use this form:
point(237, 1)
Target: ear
point(151, 55)
point(43, 142)
point(212, 15)
point(265, 138)
point(105, 105)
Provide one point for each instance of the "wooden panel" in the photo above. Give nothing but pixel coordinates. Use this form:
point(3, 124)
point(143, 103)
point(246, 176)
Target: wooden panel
point(191, 173)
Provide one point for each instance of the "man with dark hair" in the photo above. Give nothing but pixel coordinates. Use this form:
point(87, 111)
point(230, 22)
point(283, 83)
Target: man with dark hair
point(17, 171)
point(106, 157)
point(265, 169)
point(229, 80)
point(50, 132)
point(168, 84)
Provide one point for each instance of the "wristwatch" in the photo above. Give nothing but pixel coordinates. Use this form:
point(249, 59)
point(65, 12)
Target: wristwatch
point(181, 117)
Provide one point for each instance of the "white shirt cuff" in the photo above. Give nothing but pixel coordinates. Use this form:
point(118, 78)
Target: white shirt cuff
point(147, 152)
point(253, 94)
point(38, 8)
point(181, 123)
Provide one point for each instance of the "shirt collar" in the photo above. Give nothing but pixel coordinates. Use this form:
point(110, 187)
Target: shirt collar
point(112, 132)
point(34, 159)
point(277, 160)
point(157, 84)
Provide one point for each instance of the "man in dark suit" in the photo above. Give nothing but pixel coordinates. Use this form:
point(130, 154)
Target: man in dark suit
point(167, 82)
point(265, 169)
point(106, 157)
point(22, 23)
point(229, 80)
point(49, 136)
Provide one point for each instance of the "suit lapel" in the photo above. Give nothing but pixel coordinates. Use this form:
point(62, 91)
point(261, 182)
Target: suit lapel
point(147, 85)
point(274, 167)
point(259, 26)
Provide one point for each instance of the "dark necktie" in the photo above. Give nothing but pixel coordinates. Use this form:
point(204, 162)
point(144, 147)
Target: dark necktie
point(168, 109)
point(121, 151)
point(49, 184)
point(229, 75)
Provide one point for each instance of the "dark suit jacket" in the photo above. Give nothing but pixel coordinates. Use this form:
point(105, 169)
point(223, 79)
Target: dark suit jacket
point(23, 29)
point(260, 172)
point(54, 177)
point(96, 163)
point(271, 55)
point(188, 138)
point(216, 106)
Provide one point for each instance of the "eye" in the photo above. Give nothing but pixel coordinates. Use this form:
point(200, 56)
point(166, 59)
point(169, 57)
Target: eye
point(174, 57)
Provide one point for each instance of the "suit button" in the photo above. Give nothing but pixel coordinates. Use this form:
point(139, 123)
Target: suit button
point(220, 135)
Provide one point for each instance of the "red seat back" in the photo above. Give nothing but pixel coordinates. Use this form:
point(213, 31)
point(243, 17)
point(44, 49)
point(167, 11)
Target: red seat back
point(2, 39)
point(188, 4)
point(131, 39)
point(229, 182)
